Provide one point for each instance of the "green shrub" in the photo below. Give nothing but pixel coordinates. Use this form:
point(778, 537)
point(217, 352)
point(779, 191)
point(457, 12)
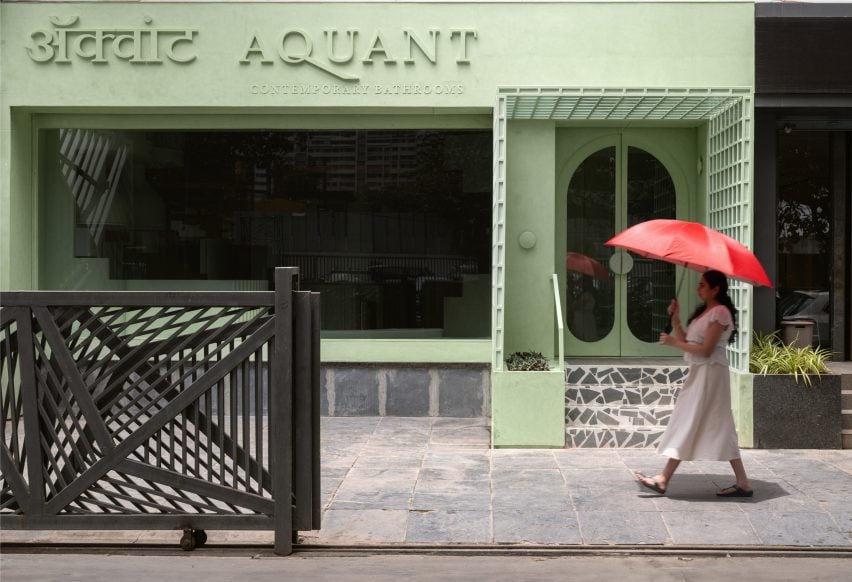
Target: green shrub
point(769, 355)
point(527, 362)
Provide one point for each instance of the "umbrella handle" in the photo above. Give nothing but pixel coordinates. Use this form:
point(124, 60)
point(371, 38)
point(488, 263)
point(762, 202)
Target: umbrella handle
point(680, 282)
point(668, 328)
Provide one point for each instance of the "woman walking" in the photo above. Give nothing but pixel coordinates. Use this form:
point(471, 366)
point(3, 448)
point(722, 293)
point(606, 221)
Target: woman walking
point(701, 426)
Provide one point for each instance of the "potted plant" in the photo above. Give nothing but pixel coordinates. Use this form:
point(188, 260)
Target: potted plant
point(795, 399)
point(528, 403)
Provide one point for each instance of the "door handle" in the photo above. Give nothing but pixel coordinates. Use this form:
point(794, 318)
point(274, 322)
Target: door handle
point(621, 262)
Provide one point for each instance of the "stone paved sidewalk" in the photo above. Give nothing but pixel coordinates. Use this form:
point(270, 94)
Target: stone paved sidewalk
point(422, 480)
point(393, 480)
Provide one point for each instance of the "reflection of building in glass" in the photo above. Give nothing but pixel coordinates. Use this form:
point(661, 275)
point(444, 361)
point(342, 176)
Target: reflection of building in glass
point(391, 225)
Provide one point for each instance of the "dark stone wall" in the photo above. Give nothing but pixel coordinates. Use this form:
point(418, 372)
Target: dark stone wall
point(405, 390)
point(803, 55)
point(790, 415)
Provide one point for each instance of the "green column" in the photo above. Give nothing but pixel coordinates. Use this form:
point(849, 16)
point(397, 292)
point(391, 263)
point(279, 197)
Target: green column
point(530, 233)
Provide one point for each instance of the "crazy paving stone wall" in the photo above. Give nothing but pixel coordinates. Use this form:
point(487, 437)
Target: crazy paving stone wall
point(619, 407)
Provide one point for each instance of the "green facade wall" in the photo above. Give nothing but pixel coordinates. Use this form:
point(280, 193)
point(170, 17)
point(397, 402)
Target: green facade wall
point(232, 75)
point(530, 320)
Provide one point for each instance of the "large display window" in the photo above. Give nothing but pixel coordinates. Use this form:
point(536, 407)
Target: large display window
point(392, 226)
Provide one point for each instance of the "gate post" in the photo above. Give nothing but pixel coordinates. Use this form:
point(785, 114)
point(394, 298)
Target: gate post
point(302, 408)
point(316, 497)
point(281, 410)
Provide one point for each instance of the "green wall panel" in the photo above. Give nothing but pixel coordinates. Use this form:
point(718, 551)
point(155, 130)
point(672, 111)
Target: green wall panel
point(530, 310)
point(476, 49)
point(571, 44)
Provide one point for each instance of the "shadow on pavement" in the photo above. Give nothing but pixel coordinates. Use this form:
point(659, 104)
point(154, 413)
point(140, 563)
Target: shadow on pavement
point(689, 487)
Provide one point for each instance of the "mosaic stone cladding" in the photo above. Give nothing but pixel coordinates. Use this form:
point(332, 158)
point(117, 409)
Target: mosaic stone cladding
point(619, 407)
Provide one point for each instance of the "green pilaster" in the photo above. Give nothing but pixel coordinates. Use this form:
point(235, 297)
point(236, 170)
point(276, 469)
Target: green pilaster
point(530, 312)
point(742, 407)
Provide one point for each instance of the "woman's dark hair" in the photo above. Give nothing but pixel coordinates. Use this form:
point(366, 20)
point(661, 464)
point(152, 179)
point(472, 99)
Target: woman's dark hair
point(717, 279)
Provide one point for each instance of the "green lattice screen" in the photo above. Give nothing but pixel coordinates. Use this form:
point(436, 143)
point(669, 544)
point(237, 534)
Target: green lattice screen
point(728, 114)
point(729, 204)
point(498, 247)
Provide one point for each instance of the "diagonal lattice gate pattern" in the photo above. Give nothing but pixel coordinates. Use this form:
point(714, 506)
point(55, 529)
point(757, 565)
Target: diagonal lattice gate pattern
point(149, 410)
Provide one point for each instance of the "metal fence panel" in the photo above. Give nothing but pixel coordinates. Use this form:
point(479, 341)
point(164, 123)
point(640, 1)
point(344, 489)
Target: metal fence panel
point(161, 410)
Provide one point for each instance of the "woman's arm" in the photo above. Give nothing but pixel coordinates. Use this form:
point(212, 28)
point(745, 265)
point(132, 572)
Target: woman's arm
point(711, 338)
point(677, 330)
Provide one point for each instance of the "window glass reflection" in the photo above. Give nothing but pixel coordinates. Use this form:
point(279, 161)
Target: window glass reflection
point(651, 283)
point(805, 236)
point(393, 227)
point(591, 222)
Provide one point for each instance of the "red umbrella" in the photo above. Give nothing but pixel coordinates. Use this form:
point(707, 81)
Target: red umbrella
point(694, 246)
point(580, 263)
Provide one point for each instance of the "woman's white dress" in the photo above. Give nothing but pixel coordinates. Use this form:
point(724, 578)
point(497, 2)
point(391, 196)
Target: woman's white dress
point(702, 424)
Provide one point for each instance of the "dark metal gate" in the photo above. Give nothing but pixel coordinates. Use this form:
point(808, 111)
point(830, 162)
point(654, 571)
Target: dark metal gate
point(161, 410)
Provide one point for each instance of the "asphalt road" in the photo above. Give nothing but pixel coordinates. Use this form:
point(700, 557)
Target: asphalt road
point(377, 568)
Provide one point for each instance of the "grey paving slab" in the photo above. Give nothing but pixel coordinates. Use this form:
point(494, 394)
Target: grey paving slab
point(540, 488)
point(523, 477)
point(380, 488)
point(440, 494)
point(600, 478)
point(710, 527)
point(337, 461)
point(618, 501)
point(363, 526)
point(400, 459)
point(391, 426)
point(585, 458)
point(544, 526)
point(699, 503)
point(622, 527)
point(460, 466)
point(448, 436)
point(522, 459)
point(840, 459)
point(817, 476)
point(449, 526)
point(538, 499)
point(787, 503)
point(798, 529)
point(389, 450)
point(469, 459)
point(835, 505)
point(843, 519)
point(454, 473)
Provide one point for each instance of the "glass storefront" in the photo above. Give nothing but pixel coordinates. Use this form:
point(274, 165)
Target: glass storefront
point(392, 226)
point(806, 234)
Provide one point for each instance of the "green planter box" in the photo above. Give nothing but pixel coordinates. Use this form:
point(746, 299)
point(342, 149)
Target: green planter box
point(528, 409)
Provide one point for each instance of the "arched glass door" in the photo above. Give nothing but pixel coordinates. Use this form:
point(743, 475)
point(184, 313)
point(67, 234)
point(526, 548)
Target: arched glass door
point(616, 301)
point(591, 291)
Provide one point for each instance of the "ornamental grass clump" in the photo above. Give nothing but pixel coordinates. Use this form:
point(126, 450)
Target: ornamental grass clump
point(527, 362)
point(770, 355)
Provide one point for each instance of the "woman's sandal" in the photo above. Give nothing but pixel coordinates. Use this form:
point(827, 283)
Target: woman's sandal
point(734, 491)
point(653, 485)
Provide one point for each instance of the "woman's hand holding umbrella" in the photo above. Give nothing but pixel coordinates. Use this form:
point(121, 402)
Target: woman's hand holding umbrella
point(674, 315)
